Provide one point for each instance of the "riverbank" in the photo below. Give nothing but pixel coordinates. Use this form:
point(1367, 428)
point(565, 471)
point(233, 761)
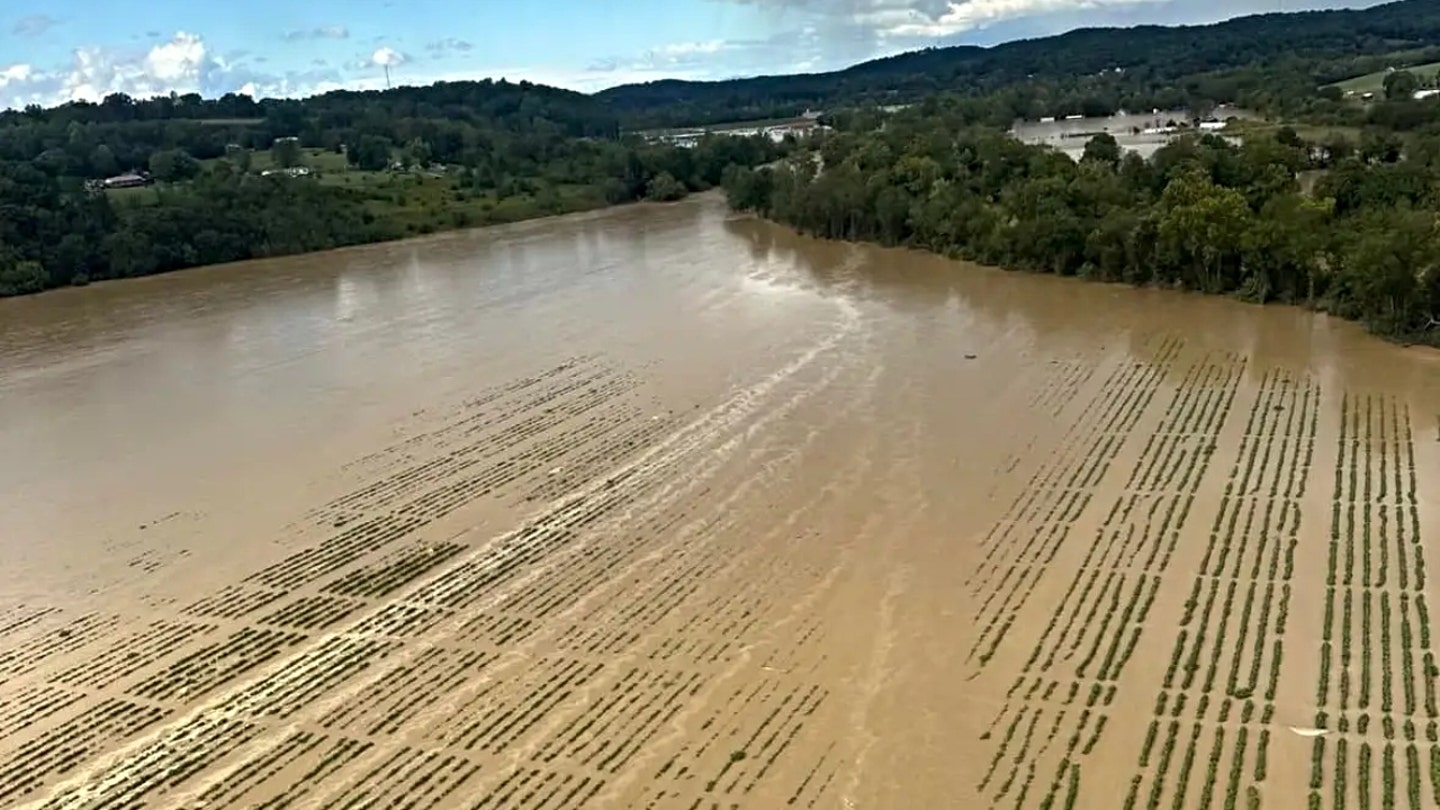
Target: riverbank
point(373, 217)
point(1429, 340)
point(1202, 214)
point(74, 224)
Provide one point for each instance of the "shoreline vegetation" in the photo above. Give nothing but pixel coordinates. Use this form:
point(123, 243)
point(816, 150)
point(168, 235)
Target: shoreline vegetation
point(130, 188)
point(1201, 213)
point(1329, 200)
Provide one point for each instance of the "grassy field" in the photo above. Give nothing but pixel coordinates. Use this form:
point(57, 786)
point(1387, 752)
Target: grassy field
point(1374, 82)
point(144, 195)
point(423, 203)
point(319, 160)
point(1309, 132)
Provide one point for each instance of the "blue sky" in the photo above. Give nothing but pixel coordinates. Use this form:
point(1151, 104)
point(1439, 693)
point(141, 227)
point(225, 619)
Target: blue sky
point(56, 50)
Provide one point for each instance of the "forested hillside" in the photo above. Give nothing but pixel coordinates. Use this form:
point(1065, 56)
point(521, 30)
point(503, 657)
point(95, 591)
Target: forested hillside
point(376, 165)
point(1268, 61)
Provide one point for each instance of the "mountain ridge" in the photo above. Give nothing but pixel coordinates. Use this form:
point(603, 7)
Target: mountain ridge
point(1160, 52)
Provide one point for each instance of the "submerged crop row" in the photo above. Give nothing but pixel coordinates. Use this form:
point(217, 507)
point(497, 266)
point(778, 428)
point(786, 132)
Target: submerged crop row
point(1109, 590)
point(1226, 662)
point(1376, 621)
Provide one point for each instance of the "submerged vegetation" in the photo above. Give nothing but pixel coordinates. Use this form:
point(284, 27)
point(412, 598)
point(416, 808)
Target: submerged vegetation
point(1202, 213)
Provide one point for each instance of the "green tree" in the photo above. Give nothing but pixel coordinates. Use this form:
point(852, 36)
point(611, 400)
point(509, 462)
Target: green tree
point(664, 188)
point(1388, 268)
point(1102, 148)
point(102, 161)
point(417, 153)
point(1287, 136)
point(371, 153)
point(21, 277)
point(286, 153)
point(1201, 230)
point(238, 156)
point(1400, 84)
point(173, 165)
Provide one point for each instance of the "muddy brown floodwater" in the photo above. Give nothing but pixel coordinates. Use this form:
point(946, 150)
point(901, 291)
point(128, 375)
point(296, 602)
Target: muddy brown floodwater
point(665, 508)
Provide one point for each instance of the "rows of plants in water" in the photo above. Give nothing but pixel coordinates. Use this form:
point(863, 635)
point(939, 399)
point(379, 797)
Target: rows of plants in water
point(486, 427)
point(1095, 626)
point(1025, 542)
point(131, 653)
point(1377, 682)
point(299, 764)
point(38, 650)
point(1125, 382)
point(1064, 380)
point(58, 751)
point(1225, 665)
point(573, 719)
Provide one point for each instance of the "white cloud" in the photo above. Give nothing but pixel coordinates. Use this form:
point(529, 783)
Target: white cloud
point(179, 65)
point(33, 25)
point(186, 63)
point(183, 64)
point(322, 32)
point(385, 56)
point(448, 45)
point(973, 14)
point(686, 50)
point(846, 31)
point(791, 51)
point(16, 73)
point(179, 60)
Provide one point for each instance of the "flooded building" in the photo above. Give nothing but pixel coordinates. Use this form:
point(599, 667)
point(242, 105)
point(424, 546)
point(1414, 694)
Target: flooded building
point(1142, 133)
point(806, 124)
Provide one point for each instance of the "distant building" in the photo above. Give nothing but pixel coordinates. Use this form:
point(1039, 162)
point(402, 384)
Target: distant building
point(1427, 93)
point(293, 171)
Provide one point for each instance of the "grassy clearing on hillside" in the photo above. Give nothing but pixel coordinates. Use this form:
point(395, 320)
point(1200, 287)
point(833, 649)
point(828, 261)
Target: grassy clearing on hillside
point(318, 160)
point(1310, 132)
point(143, 195)
point(423, 203)
point(1375, 82)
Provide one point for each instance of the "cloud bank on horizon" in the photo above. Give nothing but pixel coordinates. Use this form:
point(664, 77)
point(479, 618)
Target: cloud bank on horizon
point(64, 50)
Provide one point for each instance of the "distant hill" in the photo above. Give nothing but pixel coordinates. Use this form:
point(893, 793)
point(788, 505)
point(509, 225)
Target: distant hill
point(1326, 45)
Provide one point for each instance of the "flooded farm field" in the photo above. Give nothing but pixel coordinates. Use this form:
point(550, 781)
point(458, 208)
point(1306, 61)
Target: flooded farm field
point(1141, 133)
point(666, 508)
